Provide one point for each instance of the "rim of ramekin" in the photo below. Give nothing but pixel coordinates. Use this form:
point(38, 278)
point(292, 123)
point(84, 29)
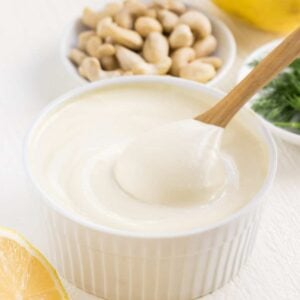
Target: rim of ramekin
point(77, 218)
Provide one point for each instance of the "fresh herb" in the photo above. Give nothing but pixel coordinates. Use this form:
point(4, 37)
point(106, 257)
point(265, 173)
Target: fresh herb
point(279, 101)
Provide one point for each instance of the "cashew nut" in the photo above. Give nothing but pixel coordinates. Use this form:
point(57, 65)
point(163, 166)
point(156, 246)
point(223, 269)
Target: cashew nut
point(123, 36)
point(180, 58)
point(197, 71)
point(109, 63)
point(92, 45)
point(198, 23)
point(77, 56)
point(113, 73)
point(181, 36)
point(151, 12)
point(160, 68)
point(90, 69)
point(83, 37)
point(105, 50)
point(176, 6)
point(126, 16)
point(108, 40)
point(124, 19)
point(131, 61)
point(167, 19)
point(90, 18)
point(136, 8)
point(156, 47)
point(205, 46)
point(216, 62)
point(145, 25)
point(127, 58)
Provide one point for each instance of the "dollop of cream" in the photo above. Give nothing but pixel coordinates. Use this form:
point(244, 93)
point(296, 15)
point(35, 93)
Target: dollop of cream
point(175, 163)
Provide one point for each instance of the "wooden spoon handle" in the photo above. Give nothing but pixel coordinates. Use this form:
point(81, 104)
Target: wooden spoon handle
point(279, 58)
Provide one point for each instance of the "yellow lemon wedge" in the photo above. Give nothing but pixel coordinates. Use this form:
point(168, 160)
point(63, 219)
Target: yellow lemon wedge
point(25, 274)
point(272, 15)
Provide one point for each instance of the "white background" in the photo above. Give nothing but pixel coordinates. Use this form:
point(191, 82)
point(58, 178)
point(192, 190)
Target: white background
point(31, 75)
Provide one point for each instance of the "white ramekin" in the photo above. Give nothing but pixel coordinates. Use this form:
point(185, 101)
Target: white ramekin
point(226, 49)
point(118, 264)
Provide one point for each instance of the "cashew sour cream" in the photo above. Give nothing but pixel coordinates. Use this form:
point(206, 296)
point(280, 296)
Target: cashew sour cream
point(131, 157)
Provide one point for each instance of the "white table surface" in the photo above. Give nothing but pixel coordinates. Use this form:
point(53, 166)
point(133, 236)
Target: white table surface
point(31, 75)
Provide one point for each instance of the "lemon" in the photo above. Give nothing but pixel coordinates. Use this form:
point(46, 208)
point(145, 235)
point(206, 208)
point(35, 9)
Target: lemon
point(25, 274)
point(272, 15)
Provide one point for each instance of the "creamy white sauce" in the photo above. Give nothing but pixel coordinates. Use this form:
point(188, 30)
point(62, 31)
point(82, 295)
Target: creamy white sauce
point(80, 154)
point(175, 163)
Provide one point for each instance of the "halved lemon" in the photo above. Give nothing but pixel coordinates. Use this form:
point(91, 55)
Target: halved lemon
point(25, 274)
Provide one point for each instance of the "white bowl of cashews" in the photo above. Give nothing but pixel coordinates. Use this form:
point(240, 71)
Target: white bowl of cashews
point(134, 37)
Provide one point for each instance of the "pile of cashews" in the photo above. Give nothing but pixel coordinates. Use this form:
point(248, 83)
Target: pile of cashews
point(133, 38)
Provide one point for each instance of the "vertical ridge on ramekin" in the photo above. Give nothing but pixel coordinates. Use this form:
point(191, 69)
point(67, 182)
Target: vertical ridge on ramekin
point(157, 271)
point(91, 266)
point(130, 282)
point(81, 256)
point(217, 267)
point(60, 261)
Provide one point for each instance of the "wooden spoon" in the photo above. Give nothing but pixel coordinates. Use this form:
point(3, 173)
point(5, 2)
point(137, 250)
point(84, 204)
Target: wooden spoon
point(265, 71)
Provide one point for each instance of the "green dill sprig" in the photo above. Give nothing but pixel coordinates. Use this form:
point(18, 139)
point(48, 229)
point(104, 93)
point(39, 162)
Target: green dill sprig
point(279, 101)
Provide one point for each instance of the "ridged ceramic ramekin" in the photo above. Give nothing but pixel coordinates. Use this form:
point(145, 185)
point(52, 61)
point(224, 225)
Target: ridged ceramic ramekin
point(121, 265)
